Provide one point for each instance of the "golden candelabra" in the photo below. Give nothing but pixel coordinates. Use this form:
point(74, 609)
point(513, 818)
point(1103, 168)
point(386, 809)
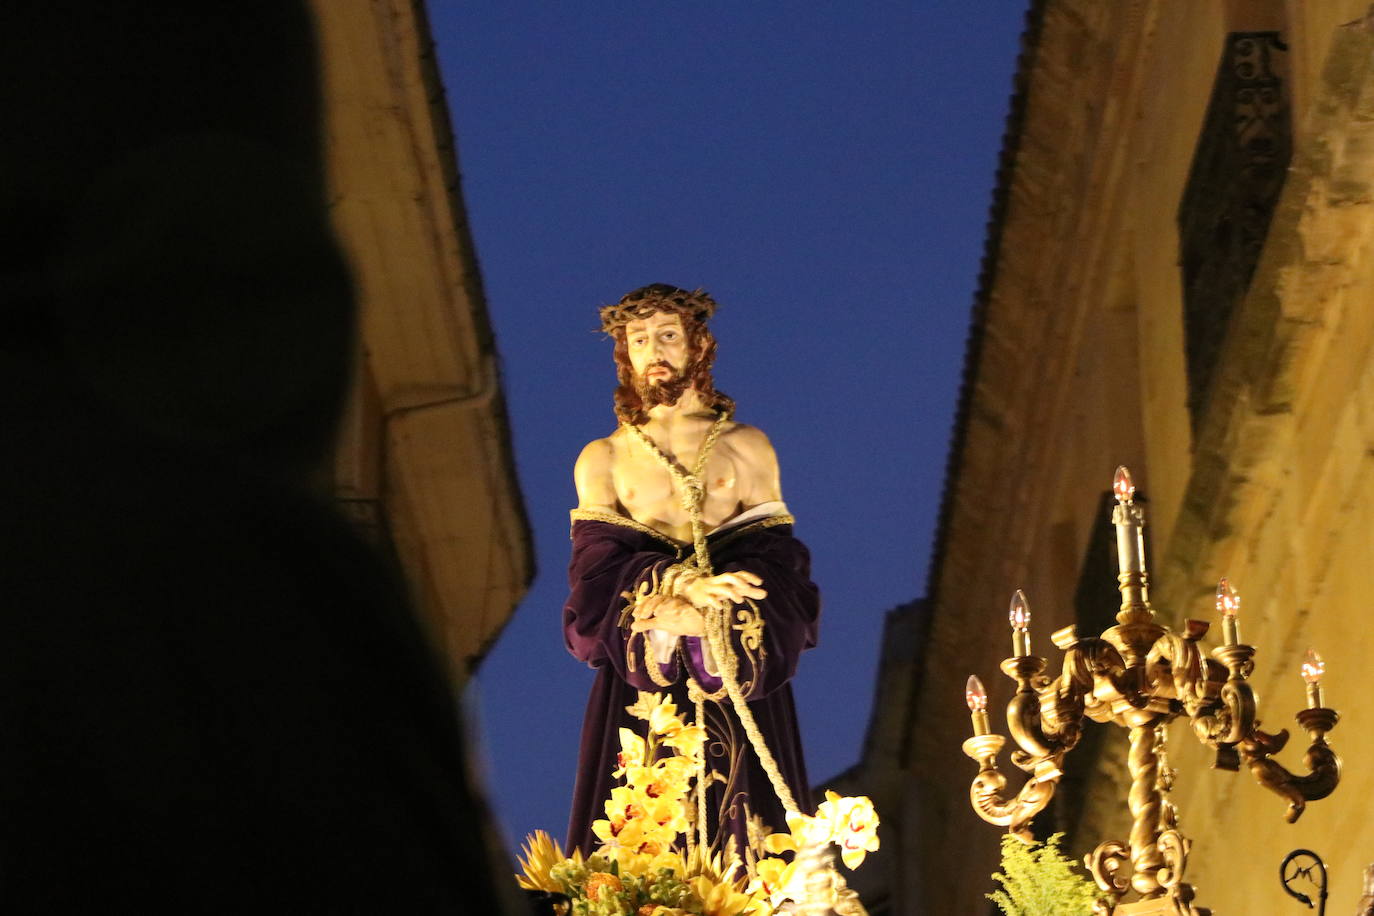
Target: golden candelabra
point(1141, 675)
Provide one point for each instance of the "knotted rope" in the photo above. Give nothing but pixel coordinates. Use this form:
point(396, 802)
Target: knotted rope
point(692, 494)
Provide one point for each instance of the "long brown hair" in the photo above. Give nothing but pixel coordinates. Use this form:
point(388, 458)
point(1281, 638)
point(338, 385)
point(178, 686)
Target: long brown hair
point(692, 308)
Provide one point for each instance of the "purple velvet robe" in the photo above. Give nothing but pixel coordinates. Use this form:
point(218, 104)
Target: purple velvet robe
point(612, 558)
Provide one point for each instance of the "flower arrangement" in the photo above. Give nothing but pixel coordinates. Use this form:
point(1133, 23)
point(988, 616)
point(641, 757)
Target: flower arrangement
point(640, 868)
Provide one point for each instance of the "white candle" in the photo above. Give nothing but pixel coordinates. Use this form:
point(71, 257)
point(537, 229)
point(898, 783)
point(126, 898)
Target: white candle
point(977, 699)
point(1312, 670)
point(1020, 616)
point(1228, 603)
point(1129, 540)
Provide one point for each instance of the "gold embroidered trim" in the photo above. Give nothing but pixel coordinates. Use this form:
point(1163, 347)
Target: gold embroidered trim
point(614, 518)
point(771, 522)
point(647, 588)
point(643, 592)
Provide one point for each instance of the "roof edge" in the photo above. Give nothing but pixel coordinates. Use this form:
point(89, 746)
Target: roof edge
point(973, 345)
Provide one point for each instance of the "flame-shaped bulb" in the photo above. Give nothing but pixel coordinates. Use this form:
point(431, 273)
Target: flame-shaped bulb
point(1019, 614)
point(1313, 668)
point(975, 695)
point(977, 699)
point(1228, 603)
point(1123, 487)
point(1228, 599)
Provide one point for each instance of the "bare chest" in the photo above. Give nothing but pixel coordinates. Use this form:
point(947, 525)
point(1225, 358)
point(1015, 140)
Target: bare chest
point(652, 495)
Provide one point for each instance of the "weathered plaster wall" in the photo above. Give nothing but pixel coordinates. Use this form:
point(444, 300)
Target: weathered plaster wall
point(1081, 367)
point(1281, 504)
point(424, 456)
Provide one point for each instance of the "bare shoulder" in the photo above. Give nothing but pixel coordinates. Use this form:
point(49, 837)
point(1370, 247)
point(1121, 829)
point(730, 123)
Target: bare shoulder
point(758, 464)
point(592, 475)
point(751, 442)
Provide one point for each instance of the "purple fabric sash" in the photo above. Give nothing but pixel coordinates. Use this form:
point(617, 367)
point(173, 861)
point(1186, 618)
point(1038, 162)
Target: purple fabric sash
point(610, 561)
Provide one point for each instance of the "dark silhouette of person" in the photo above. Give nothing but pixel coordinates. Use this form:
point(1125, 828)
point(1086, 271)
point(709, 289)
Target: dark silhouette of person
point(213, 696)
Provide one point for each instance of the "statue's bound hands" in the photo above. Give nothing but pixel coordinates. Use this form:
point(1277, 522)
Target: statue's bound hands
point(719, 592)
point(668, 613)
point(681, 612)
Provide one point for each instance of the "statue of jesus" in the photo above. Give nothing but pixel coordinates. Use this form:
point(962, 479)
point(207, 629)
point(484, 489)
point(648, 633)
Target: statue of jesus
point(680, 527)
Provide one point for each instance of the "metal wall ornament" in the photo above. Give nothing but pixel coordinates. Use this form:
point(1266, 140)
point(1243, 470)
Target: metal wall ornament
point(1140, 675)
point(1306, 865)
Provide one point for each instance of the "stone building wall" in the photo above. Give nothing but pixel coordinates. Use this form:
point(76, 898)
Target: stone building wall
point(1078, 364)
point(424, 463)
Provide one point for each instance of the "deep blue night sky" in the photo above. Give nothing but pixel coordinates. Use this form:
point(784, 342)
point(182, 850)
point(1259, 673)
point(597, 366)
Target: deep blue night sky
point(824, 169)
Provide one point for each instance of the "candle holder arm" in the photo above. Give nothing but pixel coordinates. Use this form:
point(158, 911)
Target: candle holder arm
point(987, 792)
point(1226, 715)
point(1323, 764)
point(1025, 723)
point(1033, 704)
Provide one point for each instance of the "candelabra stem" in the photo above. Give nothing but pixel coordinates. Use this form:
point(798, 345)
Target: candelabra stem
point(1147, 805)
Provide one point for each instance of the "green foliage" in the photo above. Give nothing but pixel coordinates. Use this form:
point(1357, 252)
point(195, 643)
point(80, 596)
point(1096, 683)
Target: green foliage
point(660, 888)
point(1037, 880)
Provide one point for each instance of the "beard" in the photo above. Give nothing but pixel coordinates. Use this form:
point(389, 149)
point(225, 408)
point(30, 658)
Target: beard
point(665, 391)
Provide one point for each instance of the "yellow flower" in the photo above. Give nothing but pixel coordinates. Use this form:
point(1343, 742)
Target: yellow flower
point(663, 781)
point(772, 879)
point(632, 752)
point(687, 740)
point(624, 824)
point(600, 882)
point(805, 831)
point(644, 705)
point(637, 775)
point(779, 842)
point(722, 899)
point(655, 847)
point(668, 859)
point(619, 834)
point(542, 853)
point(606, 831)
point(667, 813)
point(677, 770)
point(663, 718)
point(625, 803)
point(854, 826)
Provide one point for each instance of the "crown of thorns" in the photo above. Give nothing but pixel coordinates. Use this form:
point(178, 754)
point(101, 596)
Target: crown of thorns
point(657, 298)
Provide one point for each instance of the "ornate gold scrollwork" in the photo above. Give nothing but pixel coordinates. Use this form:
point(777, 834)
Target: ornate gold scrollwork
point(1323, 764)
point(1142, 676)
point(987, 795)
point(1103, 864)
point(1173, 849)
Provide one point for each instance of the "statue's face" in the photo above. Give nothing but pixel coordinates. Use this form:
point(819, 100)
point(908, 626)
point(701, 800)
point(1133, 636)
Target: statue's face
point(658, 348)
